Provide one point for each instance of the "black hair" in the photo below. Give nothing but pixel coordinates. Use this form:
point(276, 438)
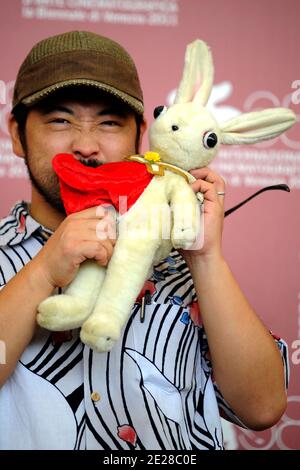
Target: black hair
point(20, 113)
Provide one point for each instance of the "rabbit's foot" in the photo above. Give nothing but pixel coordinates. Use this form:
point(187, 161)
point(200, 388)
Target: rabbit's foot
point(100, 333)
point(183, 237)
point(62, 312)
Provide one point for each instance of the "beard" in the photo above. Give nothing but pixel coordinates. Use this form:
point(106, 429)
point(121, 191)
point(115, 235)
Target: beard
point(47, 184)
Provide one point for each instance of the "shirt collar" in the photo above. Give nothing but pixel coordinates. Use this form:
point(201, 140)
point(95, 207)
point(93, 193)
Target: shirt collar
point(18, 226)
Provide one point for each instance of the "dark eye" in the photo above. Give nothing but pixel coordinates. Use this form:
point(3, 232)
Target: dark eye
point(158, 110)
point(210, 140)
point(60, 121)
point(175, 128)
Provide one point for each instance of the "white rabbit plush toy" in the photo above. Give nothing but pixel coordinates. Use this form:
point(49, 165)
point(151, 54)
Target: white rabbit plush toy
point(183, 137)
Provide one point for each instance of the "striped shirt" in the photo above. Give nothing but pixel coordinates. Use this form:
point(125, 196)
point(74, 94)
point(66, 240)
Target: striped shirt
point(154, 390)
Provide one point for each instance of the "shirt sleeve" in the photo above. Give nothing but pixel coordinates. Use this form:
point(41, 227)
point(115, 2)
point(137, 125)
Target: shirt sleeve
point(225, 411)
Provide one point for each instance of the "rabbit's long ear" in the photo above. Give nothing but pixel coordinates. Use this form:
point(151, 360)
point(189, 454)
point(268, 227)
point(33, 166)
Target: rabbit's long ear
point(254, 127)
point(198, 74)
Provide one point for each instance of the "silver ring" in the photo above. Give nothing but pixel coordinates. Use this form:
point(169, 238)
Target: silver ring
point(221, 193)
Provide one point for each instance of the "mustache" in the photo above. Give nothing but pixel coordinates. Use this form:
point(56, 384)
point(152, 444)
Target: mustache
point(93, 163)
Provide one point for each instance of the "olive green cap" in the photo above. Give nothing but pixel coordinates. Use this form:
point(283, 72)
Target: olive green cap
point(78, 58)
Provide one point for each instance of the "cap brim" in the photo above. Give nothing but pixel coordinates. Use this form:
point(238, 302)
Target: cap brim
point(132, 102)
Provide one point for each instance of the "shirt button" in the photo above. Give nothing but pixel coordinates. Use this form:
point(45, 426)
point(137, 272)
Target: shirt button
point(95, 396)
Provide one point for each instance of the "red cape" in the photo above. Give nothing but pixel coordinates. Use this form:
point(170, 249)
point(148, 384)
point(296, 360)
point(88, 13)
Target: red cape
point(82, 187)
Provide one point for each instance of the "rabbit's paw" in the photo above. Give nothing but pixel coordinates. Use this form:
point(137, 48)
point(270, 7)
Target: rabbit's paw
point(100, 334)
point(183, 237)
point(200, 197)
point(62, 312)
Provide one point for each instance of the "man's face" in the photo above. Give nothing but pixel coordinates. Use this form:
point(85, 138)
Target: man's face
point(95, 131)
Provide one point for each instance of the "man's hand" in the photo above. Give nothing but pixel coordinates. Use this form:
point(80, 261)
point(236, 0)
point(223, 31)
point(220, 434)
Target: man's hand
point(89, 234)
point(209, 183)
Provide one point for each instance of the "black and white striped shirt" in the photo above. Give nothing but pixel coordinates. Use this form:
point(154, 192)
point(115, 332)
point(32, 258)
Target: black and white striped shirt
point(154, 390)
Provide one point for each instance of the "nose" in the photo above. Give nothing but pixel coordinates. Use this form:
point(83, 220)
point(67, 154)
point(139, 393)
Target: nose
point(85, 145)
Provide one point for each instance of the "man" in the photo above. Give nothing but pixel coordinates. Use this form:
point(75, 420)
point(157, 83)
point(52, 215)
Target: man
point(79, 93)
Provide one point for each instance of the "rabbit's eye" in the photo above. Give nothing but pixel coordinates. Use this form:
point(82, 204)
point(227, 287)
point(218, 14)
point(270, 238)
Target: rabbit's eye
point(210, 140)
point(158, 110)
point(175, 128)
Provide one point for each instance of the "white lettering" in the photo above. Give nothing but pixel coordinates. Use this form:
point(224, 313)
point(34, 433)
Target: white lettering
point(296, 95)
point(296, 354)
point(255, 167)
point(139, 12)
point(115, 460)
point(2, 92)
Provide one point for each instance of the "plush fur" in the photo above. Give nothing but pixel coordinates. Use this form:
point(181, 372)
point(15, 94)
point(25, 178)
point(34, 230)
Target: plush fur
point(100, 299)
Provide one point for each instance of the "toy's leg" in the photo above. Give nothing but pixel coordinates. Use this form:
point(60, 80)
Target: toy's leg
point(186, 218)
point(71, 309)
point(126, 274)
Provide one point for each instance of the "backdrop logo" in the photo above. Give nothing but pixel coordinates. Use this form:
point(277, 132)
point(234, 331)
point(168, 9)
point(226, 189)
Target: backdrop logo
point(296, 344)
point(2, 92)
point(6, 92)
point(277, 436)
point(220, 92)
point(296, 94)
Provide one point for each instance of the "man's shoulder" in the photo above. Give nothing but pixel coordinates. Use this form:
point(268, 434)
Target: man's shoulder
point(17, 226)
point(21, 238)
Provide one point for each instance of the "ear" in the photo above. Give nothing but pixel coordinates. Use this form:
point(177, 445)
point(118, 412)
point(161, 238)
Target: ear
point(254, 127)
point(198, 74)
point(13, 128)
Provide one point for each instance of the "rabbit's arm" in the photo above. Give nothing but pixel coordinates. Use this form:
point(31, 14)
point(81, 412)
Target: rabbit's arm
point(185, 213)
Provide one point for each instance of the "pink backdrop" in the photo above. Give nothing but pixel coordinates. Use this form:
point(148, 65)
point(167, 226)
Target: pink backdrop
point(255, 47)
